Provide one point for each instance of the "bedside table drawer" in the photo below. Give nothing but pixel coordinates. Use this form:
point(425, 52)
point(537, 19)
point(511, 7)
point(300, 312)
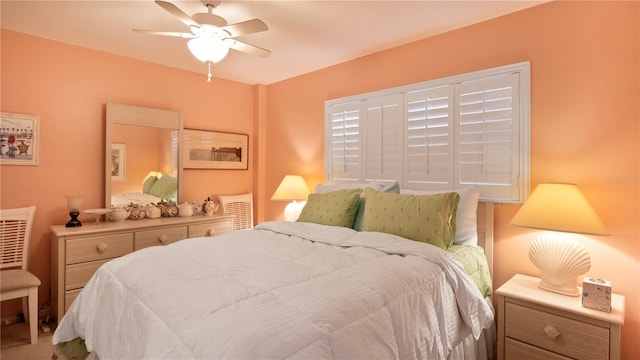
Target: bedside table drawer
point(517, 350)
point(575, 338)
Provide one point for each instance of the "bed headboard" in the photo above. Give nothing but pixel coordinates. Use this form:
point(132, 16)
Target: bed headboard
point(485, 231)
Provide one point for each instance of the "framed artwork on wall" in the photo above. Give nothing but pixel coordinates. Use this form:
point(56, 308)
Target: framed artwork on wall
point(118, 162)
point(214, 150)
point(19, 139)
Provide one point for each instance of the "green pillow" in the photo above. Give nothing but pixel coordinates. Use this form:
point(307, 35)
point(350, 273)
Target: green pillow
point(337, 208)
point(164, 187)
point(426, 218)
point(357, 223)
point(148, 183)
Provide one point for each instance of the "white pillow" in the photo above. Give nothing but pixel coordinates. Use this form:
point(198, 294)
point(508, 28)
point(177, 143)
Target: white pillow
point(466, 218)
point(323, 188)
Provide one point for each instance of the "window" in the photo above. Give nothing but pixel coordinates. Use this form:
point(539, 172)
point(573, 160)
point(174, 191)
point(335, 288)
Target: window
point(470, 129)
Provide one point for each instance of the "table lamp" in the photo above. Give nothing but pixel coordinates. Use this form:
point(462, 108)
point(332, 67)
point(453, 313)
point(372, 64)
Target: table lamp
point(561, 209)
point(74, 204)
point(292, 188)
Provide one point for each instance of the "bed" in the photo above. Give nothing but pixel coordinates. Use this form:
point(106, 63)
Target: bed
point(154, 190)
point(291, 290)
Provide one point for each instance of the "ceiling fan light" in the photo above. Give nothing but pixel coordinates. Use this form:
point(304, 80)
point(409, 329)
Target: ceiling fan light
point(208, 48)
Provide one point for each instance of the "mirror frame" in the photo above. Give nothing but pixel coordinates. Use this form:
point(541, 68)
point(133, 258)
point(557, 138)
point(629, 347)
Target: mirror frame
point(140, 116)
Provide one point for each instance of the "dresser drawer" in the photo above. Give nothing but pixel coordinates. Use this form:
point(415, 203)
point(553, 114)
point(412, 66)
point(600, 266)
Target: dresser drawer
point(98, 247)
point(69, 296)
point(77, 275)
point(209, 229)
point(162, 236)
point(576, 339)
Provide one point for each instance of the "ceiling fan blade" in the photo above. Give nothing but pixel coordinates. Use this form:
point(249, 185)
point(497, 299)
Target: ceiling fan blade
point(246, 48)
point(166, 33)
point(245, 27)
point(175, 11)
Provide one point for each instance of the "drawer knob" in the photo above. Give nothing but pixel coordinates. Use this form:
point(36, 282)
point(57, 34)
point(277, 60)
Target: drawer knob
point(102, 247)
point(163, 239)
point(211, 232)
point(552, 331)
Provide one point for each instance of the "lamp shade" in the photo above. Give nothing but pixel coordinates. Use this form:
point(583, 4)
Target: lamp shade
point(156, 174)
point(562, 209)
point(559, 207)
point(208, 48)
point(292, 187)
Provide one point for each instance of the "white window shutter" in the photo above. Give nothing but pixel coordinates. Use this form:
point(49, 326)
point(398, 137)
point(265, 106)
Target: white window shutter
point(429, 142)
point(468, 129)
point(344, 142)
point(488, 136)
point(383, 138)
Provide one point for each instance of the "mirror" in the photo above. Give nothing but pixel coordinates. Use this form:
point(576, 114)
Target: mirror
point(140, 143)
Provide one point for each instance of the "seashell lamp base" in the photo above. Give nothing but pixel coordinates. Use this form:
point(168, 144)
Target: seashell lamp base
point(561, 259)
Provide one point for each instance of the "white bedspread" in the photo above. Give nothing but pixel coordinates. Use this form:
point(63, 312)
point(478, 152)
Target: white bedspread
point(282, 290)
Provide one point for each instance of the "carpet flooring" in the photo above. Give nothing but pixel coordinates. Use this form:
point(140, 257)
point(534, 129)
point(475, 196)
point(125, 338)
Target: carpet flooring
point(16, 345)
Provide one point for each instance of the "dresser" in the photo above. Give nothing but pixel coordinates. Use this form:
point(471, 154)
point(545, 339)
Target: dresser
point(76, 253)
point(538, 324)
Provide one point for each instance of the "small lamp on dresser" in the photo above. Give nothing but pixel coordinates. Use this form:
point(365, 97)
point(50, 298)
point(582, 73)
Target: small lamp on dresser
point(561, 209)
point(292, 188)
point(74, 204)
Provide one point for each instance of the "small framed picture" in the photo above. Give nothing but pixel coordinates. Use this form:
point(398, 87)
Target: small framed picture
point(118, 162)
point(214, 150)
point(19, 139)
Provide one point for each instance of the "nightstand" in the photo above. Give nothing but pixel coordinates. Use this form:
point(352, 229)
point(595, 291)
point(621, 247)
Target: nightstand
point(538, 324)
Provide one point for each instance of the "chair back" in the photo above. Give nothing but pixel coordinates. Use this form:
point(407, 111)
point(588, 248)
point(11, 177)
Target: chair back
point(15, 233)
point(241, 206)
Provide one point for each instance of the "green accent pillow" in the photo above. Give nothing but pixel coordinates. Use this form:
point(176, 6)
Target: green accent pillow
point(148, 183)
point(164, 187)
point(357, 223)
point(337, 208)
point(426, 218)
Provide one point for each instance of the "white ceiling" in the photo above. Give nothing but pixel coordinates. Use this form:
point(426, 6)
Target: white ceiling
point(303, 35)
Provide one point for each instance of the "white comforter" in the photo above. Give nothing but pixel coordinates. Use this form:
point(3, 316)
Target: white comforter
point(282, 290)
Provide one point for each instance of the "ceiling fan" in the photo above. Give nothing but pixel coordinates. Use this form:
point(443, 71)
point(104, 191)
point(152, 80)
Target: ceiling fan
point(211, 37)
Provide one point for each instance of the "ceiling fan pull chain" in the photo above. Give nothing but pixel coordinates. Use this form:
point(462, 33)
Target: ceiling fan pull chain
point(209, 76)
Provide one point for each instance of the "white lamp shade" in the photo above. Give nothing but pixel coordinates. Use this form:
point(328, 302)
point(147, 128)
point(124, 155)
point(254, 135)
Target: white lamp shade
point(559, 257)
point(156, 174)
point(559, 207)
point(74, 202)
point(292, 187)
point(208, 47)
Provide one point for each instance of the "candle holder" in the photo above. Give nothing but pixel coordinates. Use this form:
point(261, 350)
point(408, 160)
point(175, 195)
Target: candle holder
point(74, 203)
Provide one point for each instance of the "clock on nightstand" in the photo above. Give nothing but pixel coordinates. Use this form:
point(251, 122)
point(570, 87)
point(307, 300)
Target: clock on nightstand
point(538, 324)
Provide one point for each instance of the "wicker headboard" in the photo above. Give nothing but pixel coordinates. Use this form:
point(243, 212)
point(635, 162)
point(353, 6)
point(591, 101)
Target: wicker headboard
point(485, 231)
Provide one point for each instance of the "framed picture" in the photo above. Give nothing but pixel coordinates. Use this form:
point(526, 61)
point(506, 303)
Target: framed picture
point(118, 162)
point(214, 150)
point(19, 139)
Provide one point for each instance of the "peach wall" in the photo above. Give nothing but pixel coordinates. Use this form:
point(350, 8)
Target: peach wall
point(584, 121)
point(585, 110)
point(68, 87)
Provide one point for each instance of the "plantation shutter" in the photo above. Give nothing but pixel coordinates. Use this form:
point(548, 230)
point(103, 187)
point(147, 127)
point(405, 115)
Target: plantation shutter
point(383, 138)
point(469, 129)
point(487, 146)
point(429, 139)
point(345, 147)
